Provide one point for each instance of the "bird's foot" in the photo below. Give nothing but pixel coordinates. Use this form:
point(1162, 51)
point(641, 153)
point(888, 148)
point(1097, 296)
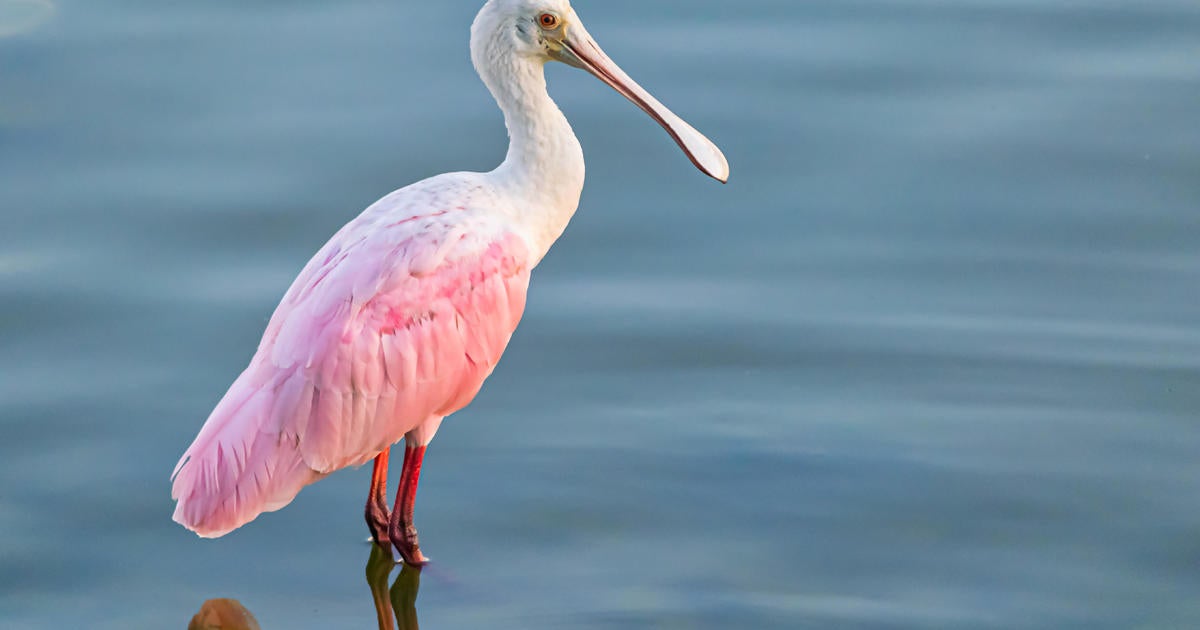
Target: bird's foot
point(405, 542)
point(412, 556)
point(377, 522)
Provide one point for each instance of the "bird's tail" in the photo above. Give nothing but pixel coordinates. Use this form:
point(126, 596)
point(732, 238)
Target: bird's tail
point(240, 465)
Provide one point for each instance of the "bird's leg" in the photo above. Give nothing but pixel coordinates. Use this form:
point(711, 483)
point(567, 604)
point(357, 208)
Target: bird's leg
point(377, 511)
point(402, 532)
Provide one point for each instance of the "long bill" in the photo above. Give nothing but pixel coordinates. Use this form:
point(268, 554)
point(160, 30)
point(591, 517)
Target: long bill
point(578, 49)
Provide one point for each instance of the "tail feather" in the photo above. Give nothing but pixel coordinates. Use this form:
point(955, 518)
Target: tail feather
point(240, 465)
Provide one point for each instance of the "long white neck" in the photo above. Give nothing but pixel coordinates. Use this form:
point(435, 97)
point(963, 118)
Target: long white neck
point(544, 169)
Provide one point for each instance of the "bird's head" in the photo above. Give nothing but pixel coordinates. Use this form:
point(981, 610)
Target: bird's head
point(550, 30)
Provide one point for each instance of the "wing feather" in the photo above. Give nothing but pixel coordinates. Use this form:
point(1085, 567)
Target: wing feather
point(385, 329)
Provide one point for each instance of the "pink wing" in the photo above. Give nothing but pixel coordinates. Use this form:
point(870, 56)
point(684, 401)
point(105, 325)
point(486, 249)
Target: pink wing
point(388, 328)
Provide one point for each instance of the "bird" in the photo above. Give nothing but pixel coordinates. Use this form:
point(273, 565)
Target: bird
point(396, 322)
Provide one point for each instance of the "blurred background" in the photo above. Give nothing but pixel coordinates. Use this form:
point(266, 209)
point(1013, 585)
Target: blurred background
point(930, 360)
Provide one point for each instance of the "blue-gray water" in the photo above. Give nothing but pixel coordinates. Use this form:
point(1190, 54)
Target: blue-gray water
point(930, 360)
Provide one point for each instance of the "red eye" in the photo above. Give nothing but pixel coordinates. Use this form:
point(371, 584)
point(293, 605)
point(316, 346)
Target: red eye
point(548, 20)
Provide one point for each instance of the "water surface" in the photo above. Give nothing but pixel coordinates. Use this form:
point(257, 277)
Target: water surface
point(930, 360)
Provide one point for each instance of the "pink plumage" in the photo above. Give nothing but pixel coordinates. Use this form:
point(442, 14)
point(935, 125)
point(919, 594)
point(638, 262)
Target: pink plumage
point(392, 326)
point(398, 320)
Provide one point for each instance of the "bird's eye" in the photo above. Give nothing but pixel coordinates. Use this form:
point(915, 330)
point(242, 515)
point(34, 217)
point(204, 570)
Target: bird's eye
point(548, 21)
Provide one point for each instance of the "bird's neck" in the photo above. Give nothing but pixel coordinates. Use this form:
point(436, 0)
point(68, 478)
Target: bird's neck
point(544, 167)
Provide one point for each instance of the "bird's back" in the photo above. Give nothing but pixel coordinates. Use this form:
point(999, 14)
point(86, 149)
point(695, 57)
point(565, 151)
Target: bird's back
point(395, 322)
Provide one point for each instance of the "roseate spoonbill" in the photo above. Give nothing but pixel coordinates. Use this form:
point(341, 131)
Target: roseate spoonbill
point(400, 317)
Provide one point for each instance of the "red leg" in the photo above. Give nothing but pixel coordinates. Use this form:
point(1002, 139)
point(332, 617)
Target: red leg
point(377, 511)
point(402, 531)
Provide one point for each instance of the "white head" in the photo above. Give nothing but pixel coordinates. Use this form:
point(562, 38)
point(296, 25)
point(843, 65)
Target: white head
point(550, 30)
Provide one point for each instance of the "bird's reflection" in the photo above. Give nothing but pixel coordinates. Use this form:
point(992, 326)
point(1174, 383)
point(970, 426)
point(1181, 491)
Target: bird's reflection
point(400, 601)
point(395, 608)
point(223, 614)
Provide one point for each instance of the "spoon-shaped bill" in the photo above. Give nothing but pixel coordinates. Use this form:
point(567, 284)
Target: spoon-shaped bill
point(578, 49)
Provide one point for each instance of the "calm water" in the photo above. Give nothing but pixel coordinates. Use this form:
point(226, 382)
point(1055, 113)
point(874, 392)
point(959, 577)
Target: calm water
point(930, 360)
